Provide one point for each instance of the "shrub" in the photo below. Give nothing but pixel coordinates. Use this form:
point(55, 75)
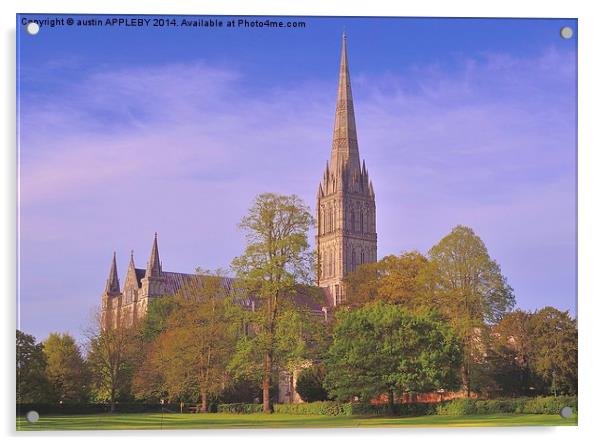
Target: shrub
point(457, 407)
point(94, 408)
point(523, 405)
point(399, 409)
point(319, 408)
point(548, 405)
point(240, 408)
point(310, 384)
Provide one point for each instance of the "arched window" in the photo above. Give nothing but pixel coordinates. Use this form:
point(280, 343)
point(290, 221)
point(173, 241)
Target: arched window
point(352, 260)
point(352, 219)
point(330, 219)
point(362, 257)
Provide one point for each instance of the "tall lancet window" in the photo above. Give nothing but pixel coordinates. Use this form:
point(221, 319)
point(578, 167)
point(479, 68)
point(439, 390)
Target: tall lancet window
point(352, 260)
point(352, 219)
point(362, 221)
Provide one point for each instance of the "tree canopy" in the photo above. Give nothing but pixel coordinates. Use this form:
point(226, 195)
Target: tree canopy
point(383, 348)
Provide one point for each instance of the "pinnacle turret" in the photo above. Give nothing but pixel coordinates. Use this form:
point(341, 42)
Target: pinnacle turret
point(153, 268)
point(112, 287)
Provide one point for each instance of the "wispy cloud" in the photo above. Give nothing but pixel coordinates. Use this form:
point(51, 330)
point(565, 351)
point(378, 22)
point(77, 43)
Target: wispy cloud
point(183, 148)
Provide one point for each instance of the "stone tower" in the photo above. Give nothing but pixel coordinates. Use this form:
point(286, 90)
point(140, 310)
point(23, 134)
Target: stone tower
point(346, 208)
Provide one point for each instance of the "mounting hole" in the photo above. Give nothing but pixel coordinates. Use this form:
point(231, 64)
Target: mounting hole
point(566, 412)
point(566, 32)
point(32, 28)
point(32, 416)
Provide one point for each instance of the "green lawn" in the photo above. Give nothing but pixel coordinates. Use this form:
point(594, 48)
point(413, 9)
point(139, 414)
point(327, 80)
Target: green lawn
point(201, 421)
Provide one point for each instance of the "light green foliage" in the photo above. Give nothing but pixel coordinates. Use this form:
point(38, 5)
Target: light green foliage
point(113, 355)
point(381, 348)
point(276, 260)
point(467, 286)
point(188, 359)
point(65, 368)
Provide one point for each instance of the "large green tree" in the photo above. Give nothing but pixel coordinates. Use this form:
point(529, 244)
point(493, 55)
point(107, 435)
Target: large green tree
point(469, 289)
point(66, 369)
point(277, 258)
point(33, 385)
point(383, 349)
point(554, 349)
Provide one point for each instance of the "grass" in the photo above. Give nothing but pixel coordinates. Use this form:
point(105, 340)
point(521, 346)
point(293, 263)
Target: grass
point(204, 421)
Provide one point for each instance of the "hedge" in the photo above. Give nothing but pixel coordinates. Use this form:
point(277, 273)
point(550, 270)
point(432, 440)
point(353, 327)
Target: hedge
point(399, 409)
point(93, 408)
point(240, 408)
point(523, 405)
point(456, 407)
point(320, 408)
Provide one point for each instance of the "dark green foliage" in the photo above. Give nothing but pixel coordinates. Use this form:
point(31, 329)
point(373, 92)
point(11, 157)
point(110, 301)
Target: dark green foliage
point(310, 383)
point(522, 405)
point(157, 316)
point(243, 390)
point(94, 408)
point(381, 348)
point(398, 409)
point(555, 350)
point(32, 384)
point(240, 408)
point(318, 408)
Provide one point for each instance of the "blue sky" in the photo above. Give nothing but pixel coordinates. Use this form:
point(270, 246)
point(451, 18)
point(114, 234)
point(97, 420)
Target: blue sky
point(128, 131)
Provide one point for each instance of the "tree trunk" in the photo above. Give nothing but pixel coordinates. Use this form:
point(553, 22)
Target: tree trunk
point(391, 401)
point(266, 383)
point(113, 399)
point(203, 401)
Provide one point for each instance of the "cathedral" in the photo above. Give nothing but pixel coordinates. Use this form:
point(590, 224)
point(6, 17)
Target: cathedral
point(345, 236)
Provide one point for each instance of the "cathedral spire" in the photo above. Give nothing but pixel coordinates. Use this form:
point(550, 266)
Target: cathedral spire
point(344, 144)
point(153, 268)
point(112, 287)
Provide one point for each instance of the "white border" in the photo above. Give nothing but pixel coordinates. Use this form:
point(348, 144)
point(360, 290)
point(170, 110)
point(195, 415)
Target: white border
point(590, 220)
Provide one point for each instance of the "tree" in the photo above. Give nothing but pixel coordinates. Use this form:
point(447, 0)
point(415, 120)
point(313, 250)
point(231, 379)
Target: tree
point(469, 288)
point(275, 260)
point(382, 348)
point(555, 349)
point(310, 383)
point(32, 384)
point(191, 355)
point(111, 358)
point(394, 279)
point(157, 315)
point(66, 369)
point(511, 353)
